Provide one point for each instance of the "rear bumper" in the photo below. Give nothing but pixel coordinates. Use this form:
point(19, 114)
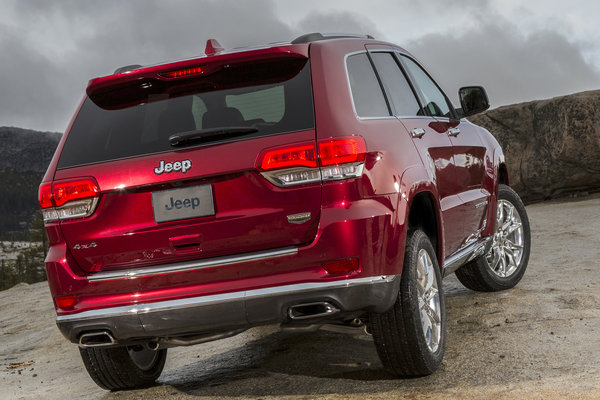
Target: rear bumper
point(231, 311)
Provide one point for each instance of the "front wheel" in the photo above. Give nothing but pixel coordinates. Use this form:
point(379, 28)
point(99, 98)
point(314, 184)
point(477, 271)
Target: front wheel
point(505, 263)
point(118, 368)
point(411, 337)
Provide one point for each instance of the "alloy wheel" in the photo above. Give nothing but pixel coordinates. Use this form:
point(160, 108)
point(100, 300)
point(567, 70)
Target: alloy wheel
point(429, 301)
point(506, 252)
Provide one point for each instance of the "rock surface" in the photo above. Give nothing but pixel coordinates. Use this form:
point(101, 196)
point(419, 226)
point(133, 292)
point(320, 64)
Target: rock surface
point(552, 147)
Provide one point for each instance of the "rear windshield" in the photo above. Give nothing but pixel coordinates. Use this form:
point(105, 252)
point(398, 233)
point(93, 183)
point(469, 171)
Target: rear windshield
point(113, 132)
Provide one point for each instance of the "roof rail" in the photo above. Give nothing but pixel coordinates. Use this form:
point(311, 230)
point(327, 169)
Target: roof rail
point(315, 36)
point(126, 68)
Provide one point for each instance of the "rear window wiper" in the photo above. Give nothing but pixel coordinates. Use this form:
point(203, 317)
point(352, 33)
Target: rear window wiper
point(180, 138)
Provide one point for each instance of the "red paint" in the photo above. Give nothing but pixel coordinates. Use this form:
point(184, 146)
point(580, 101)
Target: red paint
point(363, 219)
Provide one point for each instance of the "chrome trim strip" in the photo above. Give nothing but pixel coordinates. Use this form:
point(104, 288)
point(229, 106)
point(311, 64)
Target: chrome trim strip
point(133, 273)
point(222, 298)
point(462, 256)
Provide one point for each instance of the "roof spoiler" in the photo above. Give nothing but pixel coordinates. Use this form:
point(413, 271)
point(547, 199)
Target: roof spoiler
point(136, 75)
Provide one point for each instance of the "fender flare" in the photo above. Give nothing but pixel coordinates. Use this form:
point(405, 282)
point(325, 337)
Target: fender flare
point(415, 181)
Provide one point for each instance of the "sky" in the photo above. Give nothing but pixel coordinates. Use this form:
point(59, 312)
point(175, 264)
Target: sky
point(519, 51)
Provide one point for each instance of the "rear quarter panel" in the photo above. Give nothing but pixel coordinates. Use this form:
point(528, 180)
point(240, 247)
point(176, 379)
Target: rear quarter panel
point(390, 152)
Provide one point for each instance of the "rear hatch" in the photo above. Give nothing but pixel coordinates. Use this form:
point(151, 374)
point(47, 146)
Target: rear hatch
point(174, 150)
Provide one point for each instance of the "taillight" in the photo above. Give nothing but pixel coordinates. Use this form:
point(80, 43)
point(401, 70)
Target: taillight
point(69, 199)
point(342, 151)
point(342, 158)
point(338, 158)
point(45, 195)
point(64, 192)
point(296, 156)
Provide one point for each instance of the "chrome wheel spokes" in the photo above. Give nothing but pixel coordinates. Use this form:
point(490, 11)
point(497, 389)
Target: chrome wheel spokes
point(429, 301)
point(506, 252)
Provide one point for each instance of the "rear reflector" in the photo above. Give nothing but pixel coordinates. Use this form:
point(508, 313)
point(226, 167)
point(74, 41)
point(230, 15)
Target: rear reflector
point(345, 266)
point(66, 302)
point(68, 199)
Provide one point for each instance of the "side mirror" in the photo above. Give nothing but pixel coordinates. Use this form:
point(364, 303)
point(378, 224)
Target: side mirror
point(473, 100)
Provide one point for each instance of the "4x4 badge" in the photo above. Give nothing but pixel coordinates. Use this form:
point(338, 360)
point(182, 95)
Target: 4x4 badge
point(85, 246)
point(176, 166)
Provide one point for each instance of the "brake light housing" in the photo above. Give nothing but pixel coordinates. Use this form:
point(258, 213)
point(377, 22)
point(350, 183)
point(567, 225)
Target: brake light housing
point(329, 159)
point(73, 198)
point(183, 72)
point(337, 151)
point(304, 155)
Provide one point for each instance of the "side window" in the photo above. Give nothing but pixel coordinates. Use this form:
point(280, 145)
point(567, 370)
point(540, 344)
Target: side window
point(396, 85)
point(435, 100)
point(366, 91)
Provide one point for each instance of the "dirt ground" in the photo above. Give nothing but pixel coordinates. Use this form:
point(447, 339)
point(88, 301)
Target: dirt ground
point(540, 340)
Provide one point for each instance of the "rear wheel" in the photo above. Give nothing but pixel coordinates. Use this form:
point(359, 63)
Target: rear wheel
point(117, 368)
point(505, 263)
point(410, 338)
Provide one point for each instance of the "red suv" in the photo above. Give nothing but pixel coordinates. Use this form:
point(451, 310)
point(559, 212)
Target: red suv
point(327, 180)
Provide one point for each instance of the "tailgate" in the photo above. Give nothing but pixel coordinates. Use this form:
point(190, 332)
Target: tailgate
point(246, 212)
point(164, 201)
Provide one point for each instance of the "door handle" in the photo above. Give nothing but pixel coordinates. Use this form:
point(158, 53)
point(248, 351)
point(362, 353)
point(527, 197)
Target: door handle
point(453, 132)
point(417, 132)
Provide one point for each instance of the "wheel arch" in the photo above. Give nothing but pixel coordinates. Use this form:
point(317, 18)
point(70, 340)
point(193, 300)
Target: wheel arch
point(424, 213)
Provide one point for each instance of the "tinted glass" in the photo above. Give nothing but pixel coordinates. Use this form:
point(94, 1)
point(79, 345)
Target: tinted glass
point(113, 132)
point(399, 92)
point(366, 91)
point(435, 101)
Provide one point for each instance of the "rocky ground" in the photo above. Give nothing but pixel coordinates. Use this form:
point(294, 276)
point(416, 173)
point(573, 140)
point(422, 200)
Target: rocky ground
point(540, 340)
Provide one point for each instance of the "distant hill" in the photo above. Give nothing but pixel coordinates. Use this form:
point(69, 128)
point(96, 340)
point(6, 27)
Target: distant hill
point(24, 157)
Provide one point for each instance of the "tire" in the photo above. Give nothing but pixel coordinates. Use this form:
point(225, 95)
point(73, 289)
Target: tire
point(411, 337)
point(118, 368)
point(506, 261)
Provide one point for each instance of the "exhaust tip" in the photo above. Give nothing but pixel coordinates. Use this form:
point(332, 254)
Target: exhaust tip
point(312, 310)
point(96, 339)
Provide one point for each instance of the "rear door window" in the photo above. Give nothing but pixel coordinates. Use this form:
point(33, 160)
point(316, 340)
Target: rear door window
point(398, 89)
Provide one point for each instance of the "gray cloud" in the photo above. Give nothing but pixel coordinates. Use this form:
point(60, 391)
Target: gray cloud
point(512, 67)
point(49, 78)
point(336, 21)
point(43, 91)
point(50, 49)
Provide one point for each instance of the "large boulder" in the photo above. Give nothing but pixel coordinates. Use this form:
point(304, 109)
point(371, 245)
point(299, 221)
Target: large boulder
point(552, 147)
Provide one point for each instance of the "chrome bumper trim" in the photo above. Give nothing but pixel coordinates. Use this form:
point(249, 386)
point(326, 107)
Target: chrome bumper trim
point(222, 298)
point(133, 273)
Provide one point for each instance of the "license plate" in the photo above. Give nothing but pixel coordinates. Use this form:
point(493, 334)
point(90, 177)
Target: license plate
point(189, 202)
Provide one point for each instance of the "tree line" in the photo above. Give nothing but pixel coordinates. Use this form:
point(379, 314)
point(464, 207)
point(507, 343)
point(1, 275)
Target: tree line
point(29, 264)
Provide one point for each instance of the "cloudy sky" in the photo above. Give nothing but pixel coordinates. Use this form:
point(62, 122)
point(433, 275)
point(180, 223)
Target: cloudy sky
point(518, 50)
